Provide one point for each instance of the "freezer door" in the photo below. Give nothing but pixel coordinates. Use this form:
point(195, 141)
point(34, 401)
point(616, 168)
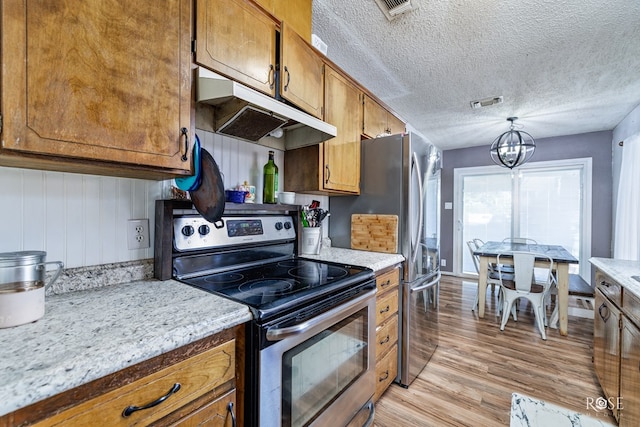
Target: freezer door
point(423, 215)
point(419, 327)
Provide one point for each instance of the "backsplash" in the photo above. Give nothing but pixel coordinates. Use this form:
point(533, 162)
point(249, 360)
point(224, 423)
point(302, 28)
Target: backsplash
point(81, 219)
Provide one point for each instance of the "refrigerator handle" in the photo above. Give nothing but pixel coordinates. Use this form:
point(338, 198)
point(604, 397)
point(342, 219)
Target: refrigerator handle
point(416, 165)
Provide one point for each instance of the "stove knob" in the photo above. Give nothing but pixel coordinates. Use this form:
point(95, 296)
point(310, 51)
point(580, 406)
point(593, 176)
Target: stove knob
point(278, 226)
point(187, 230)
point(287, 225)
point(204, 229)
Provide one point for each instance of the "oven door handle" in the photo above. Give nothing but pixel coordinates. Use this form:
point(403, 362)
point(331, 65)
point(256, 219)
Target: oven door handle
point(329, 316)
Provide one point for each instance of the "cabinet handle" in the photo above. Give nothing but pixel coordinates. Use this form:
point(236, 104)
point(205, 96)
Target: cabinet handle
point(603, 307)
point(386, 375)
point(233, 416)
point(131, 409)
point(286, 70)
point(185, 132)
point(384, 341)
point(328, 173)
point(385, 284)
point(270, 77)
point(384, 310)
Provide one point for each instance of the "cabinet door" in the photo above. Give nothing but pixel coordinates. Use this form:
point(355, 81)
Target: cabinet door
point(378, 121)
point(394, 124)
point(342, 153)
point(374, 118)
point(104, 81)
point(301, 77)
point(297, 14)
point(606, 345)
point(630, 374)
point(238, 40)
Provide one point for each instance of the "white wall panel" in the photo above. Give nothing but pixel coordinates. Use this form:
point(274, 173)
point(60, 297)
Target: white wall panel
point(55, 240)
point(81, 220)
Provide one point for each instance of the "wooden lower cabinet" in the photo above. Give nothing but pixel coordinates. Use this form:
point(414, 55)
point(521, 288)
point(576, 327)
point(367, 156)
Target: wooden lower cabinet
point(616, 348)
point(190, 386)
point(218, 413)
point(386, 371)
point(387, 300)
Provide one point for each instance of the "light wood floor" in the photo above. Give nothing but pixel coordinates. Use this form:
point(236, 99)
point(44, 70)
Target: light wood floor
point(476, 367)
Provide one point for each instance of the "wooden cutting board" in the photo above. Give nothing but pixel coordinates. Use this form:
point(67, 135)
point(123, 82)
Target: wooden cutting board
point(377, 233)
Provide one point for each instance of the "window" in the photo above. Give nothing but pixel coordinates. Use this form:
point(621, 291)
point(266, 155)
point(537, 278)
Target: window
point(546, 201)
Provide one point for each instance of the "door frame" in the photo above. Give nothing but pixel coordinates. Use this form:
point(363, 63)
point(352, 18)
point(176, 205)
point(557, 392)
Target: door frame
point(585, 246)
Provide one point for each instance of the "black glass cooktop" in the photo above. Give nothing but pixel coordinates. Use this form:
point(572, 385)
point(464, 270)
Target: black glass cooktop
point(282, 285)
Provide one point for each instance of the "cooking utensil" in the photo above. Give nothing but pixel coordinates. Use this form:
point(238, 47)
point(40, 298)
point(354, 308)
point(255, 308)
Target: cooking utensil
point(191, 183)
point(22, 286)
point(209, 197)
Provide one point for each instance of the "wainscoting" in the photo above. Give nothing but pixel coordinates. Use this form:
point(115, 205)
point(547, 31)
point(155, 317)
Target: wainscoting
point(81, 219)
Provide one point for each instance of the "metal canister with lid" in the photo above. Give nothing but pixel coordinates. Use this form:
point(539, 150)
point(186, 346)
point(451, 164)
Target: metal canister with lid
point(22, 286)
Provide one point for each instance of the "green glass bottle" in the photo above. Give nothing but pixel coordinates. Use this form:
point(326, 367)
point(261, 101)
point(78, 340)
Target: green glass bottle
point(270, 175)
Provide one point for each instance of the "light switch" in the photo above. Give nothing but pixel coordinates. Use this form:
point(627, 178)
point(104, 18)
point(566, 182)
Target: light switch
point(448, 205)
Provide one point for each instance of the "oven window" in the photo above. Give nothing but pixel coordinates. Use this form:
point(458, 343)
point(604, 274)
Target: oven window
point(317, 371)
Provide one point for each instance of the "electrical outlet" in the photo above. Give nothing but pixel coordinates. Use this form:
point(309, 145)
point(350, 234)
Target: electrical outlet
point(138, 234)
point(443, 263)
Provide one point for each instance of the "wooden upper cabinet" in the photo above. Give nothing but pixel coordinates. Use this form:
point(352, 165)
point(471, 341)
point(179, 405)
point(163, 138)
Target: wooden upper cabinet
point(301, 72)
point(297, 14)
point(342, 153)
point(89, 84)
point(378, 121)
point(235, 38)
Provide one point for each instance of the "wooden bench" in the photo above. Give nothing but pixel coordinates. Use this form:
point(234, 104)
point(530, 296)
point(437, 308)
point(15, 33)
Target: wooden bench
point(581, 290)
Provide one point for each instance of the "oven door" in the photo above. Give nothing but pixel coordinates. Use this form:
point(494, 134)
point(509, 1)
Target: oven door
point(320, 372)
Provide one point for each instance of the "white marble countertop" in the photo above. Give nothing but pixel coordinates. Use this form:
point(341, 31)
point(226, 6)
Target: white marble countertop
point(374, 260)
point(88, 334)
point(529, 412)
point(621, 271)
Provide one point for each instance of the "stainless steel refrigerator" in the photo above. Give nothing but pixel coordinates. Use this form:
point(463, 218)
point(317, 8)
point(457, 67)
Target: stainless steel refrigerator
point(400, 175)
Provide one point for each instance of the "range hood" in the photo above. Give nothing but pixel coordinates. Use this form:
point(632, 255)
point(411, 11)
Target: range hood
point(247, 114)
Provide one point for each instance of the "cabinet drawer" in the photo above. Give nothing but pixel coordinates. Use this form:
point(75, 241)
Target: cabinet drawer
point(196, 376)
point(609, 288)
point(386, 371)
point(386, 336)
point(214, 414)
point(388, 280)
point(631, 307)
point(386, 306)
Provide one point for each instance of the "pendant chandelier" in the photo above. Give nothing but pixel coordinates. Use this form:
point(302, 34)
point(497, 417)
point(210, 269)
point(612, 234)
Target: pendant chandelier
point(513, 148)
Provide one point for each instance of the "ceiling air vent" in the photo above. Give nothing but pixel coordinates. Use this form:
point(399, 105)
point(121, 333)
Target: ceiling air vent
point(393, 8)
point(486, 102)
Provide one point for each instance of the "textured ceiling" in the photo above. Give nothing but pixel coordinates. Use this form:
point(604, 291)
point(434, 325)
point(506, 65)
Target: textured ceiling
point(563, 67)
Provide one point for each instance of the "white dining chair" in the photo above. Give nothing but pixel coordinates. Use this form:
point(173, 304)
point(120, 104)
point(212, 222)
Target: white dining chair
point(524, 283)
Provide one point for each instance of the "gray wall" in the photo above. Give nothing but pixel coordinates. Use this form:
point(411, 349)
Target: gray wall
point(596, 145)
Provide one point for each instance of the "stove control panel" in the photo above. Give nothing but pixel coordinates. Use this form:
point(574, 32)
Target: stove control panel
point(192, 232)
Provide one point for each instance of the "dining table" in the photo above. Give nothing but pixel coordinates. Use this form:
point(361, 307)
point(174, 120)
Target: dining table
point(488, 253)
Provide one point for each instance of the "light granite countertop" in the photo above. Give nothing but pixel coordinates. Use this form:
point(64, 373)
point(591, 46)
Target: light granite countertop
point(93, 327)
point(374, 260)
point(87, 334)
point(621, 271)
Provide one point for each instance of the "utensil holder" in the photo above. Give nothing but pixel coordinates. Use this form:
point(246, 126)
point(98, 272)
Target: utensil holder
point(311, 240)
